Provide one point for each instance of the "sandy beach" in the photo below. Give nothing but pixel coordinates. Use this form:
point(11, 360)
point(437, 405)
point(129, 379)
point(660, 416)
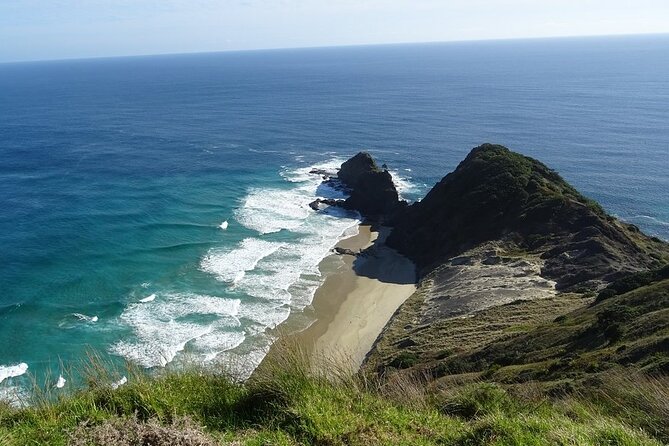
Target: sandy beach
point(358, 297)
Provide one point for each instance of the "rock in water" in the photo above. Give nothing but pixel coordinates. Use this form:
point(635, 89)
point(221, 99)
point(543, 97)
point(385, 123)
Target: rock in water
point(354, 168)
point(372, 191)
point(316, 204)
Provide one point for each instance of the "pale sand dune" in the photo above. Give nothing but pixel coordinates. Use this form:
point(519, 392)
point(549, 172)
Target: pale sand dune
point(356, 300)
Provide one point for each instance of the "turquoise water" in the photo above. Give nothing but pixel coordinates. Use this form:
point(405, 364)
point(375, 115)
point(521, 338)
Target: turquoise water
point(116, 175)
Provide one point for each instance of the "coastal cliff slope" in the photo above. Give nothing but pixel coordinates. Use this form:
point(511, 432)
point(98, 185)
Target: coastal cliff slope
point(524, 279)
point(496, 194)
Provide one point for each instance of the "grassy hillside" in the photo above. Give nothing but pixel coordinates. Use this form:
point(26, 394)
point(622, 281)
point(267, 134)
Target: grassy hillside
point(627, 329)
point(286, 404)
point(566, 345)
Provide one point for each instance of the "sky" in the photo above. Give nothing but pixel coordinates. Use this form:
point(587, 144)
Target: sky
point(62, 29)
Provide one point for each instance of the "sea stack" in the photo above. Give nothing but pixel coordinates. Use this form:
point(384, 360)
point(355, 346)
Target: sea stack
point(373, 192)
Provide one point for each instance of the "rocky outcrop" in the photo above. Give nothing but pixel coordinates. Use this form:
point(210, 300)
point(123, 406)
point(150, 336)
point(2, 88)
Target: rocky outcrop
point(502, 196)
point(372, 191)
point(320, 203)
point(496, 194)
point(345, 251)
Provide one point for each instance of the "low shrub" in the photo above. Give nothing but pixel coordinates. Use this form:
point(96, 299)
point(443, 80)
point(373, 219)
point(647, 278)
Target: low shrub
point(632, 282)
point(404, 360)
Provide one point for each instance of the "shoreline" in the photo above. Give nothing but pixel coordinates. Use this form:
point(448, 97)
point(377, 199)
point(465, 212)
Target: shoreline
point(354, 303)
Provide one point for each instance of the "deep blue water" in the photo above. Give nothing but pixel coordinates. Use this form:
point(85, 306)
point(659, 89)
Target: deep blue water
point(116, 173)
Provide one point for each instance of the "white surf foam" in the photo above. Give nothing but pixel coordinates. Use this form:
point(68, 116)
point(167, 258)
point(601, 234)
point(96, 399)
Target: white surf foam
point(231, 265)
point(403, 184)
point(217, 342)
point(282, 276)
point(74, 320)
point(654, 220)
point(284, 273)
point(240, 363)
point(149, 298)
point(15, 396)
point(115, 385)
point(84, 318)
point(304, 175)
point(271, 210)
point(162, 328)
point(12, 371)
point(264, 314)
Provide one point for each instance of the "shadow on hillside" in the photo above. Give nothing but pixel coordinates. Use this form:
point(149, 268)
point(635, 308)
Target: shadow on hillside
point(385, 265)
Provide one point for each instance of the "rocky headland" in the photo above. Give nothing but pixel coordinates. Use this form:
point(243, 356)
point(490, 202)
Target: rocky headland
point(496, 194)
point(507, 252)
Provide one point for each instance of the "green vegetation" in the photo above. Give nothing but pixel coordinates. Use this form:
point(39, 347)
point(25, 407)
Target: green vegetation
point(632, 282)
point(498, 195)
point(630, 329)
point(287, 404)
point(439, 345)
point(563, 345)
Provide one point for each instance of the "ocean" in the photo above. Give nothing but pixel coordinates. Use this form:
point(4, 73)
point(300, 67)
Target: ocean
point(155, 209)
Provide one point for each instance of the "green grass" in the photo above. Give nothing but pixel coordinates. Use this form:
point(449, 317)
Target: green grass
point(630, 329)
point(633, 282)
point(438, 344)
point(286, 403)
point(563, 341)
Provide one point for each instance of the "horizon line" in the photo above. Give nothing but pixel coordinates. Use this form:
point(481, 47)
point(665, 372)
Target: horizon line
point(354, 45)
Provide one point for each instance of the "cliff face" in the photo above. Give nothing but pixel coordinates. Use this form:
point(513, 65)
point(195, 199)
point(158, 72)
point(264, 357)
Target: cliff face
point(373, 192)
point(496, 194)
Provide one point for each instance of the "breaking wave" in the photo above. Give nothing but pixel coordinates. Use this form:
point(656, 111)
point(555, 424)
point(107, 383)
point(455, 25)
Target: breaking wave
point(12, 371)
point(262, 278)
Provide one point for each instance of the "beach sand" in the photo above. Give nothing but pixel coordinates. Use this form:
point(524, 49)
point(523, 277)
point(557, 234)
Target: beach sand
point(357, 298)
